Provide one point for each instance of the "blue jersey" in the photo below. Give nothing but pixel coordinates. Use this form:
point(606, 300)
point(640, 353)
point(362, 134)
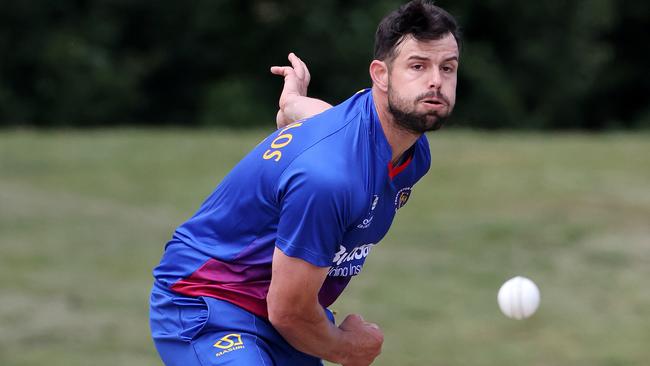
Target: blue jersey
point(322, 190)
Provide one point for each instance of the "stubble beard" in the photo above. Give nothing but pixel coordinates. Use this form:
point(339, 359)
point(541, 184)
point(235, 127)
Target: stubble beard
point(416, 122)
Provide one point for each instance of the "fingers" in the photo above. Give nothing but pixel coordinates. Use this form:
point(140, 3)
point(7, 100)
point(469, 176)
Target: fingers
point(355, 321)
point(300, 67)
point(356, 318)
point(305, 71)
point(372, 325)
point(365, 340)
point(281, 70)
point(297, 65)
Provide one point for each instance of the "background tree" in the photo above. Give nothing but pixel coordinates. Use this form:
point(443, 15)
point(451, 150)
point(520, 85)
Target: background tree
point(545, 65)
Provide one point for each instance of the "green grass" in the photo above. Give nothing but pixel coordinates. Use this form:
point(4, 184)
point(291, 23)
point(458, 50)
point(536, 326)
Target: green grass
point(84, 217)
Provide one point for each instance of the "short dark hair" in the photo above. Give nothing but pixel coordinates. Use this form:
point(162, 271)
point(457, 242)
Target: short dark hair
point(418, 18)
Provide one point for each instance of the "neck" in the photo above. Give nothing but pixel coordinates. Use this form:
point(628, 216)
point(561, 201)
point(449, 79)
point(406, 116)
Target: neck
point(399, 139)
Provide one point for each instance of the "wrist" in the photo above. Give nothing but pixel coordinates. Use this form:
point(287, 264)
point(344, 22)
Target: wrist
point(342, 351)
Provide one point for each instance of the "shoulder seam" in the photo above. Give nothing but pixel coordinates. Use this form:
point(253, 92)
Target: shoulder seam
point(312, 145)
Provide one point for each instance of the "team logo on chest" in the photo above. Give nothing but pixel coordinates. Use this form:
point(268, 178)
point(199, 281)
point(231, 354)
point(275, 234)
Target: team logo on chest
point(402, 197)
point(368, 220)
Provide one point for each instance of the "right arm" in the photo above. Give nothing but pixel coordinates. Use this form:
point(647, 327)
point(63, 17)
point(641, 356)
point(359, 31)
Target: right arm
point(296, 314)
point(294, 103)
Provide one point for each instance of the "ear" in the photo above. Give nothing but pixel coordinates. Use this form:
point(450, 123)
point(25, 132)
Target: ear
point(379, 74)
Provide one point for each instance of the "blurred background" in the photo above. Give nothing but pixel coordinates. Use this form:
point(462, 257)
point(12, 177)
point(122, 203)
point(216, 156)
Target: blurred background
point(578, 64)
point(118, 117)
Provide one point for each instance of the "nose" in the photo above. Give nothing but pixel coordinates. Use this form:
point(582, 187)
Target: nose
point(435, 78)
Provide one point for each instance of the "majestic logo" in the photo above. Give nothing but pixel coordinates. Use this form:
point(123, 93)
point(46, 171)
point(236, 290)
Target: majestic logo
point(368, 220)
point(229, 343)
point(402, 197)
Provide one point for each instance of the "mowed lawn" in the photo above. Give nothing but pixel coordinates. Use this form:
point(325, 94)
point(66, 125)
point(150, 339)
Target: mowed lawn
point(84, 217)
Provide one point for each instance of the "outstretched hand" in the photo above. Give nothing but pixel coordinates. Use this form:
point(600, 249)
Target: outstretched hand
point(296, 81)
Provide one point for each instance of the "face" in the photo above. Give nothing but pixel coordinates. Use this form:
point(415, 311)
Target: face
point(422, 83)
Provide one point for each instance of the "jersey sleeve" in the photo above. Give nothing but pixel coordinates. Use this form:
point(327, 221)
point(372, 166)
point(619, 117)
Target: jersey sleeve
point(314, 207)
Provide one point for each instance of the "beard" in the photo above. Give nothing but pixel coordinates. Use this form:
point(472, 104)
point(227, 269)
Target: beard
point(406, 116)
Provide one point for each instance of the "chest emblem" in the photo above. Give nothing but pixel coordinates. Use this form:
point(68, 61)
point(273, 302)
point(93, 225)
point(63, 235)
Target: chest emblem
point(402, 197)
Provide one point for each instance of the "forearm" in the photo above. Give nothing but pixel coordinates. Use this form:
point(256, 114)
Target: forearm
point(301, 107)
point(294, 310)
point(310, 331)
point(297, 315)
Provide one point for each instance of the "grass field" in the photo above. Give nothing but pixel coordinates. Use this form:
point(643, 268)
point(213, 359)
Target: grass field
point(84, 217)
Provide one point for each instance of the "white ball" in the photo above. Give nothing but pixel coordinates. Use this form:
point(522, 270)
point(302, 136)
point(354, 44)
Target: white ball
point(518, 298)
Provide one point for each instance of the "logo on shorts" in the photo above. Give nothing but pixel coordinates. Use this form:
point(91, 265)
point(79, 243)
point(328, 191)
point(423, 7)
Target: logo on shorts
point(402, 197)
point(229, 343)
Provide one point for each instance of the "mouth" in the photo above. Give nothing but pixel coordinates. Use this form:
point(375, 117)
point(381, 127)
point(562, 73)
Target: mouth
point(433, 102)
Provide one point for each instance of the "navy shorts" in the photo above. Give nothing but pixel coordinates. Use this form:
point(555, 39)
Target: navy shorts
point(204, 331)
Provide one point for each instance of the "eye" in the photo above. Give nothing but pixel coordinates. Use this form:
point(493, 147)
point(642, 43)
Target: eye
point(417, 67)
point(447, 68)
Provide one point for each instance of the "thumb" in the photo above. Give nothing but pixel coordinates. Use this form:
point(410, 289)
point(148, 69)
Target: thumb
point(372, 325)
point(356, 317)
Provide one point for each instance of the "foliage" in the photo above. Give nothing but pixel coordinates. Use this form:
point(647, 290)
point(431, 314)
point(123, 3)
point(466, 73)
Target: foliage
point(552, 64)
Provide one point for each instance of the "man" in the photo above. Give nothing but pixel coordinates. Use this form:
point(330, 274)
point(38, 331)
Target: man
point(247, 280)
